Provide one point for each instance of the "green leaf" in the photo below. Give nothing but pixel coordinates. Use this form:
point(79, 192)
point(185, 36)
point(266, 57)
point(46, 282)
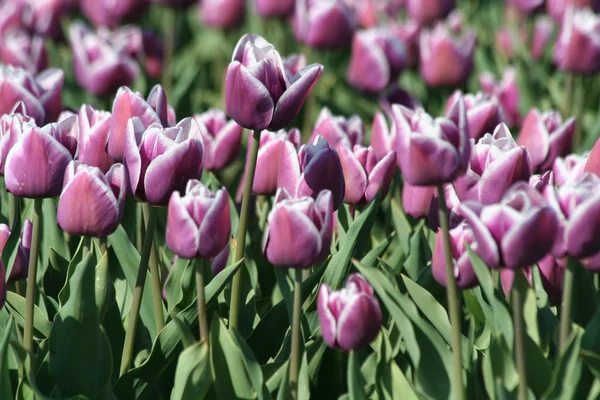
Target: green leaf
point(252, 367)
point(41, 325)
point(371, 257)
point(105, 291)
point(5, 385)
point(193, 375)
point(356, 382)
point(52, 237)
point(584, 302)
point(179, 282)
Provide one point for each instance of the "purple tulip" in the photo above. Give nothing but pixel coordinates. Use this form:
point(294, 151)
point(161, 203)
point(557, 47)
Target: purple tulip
point(483, 112)
point(578, 44)
point(365, 174)
point(394, 94)
point(517, 232)
point(444, 59)
point(460, 237)
point(557, 8)
point(174, 3)
point(274, 8)
point(153, 50)
point(504, 42)
point(110, 13)
point(327, 24)
point(44, 17)
point(552, 274)
point(40, 94)
point(350, 318)
point(311, 170)
point(102, 211)
point(408, 33)
point(569, 169)
point(525, 6)
point(66, 132)
point(157, 99)
point(338, 130)
point(427, 11)
point(21, 49)
point(507, 278)
point(382, 137)
point(10, 16)
point(546, 137)
point(222, 139)
point(223, 14)
point(21, 263)
point(12, 127)
point(294, 63)
point(94, 127)
point(542, 33)
point(369, 12)
point(506, 91)
point(260, 92)
point(199, 223)
point(161, 160)
point(541, 182)
point(431, 151)
point(416, 200)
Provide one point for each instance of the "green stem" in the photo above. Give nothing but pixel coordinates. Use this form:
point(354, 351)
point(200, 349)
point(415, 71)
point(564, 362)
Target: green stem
point(32, 276)
point(159, 317)
point(519, 324)
point(236, 286)
point(87, 245)
point(565, 310)
point(296, 334)
point(13, 210)
point(169, 20)
point(202, 320)
point(567, 106)
point(453, 301)
point(139, 225)
point(137, 293)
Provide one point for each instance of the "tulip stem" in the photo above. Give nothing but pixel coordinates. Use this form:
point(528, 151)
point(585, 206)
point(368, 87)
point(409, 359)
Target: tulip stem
point(137, 292)
point(296, 334)
point(139, 228)
point(519, 325)
point(13, 210)
point(202, 320)
point(565, 310)
point(236, 286)
point(453, 301)
point(32, 276)
point(159, 317)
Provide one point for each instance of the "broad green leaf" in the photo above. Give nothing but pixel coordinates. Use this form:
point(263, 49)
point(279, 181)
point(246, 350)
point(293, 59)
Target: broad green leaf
point(193, 375)
point(356, 382)
point(41, 325)
point(252, 367)
point(5, 385)
point(105, 291)
point(52, 237)
point(584, 301)
point(371, 257)
point(180, 280)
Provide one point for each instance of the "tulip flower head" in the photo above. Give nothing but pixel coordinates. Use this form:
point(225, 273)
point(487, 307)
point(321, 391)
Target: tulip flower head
point(552, 273)
point(44, 17)
point(338, 130)
point(416, 200)
point(221, 14)
point(507, 92)
point(569, 169)
point(427, 11)
point(460, 237)
point(94, 127)
point(21, 49)
point(542, 33)
point(483, 112)
point(557, 8)
point(110, 13)
point(274, 8)
point(408, 33)
point(12, 127)
point(21, 264)
point(577, 47)
point(327, 24)
point(222, 139)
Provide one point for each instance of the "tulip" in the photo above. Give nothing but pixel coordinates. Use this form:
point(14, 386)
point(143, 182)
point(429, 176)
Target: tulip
point(552, 274)
point(12, 127)
point(578, 44)
point(350, 318)
point(311, 170)
point(427, 11)
point(40, 94)
point(274, 8)
point(21, 49)
point(431, 151)
point(542, 182)
point(223, 14)
point(157, 99)
point(507, 278)
point(10, 16)
point(153, 54)
point(542, 33)
point(369, 12)
point(445, 60)
point(99, 66)
point(110, 13)
point(44, 17)
point(161, 160)
point(416, 200)
point(294, 63)
point(66, 131)
point(569, 169)
point(517, 232)
point(21, 264)
point(327, 24)
point(35, 166)
point(222, 139)
point(525, 6)
point(408, 33)
point(376, 60)
point(102, 211)
point(546, 137)
point(557, 8)
point(483, 112)
point(260, 93)
point(394, 94)
point(460, 237)
point(507, 93)
point(339, 130)
point(198, 223)
point(94, 127)
point(382, 138)
point(365, 174)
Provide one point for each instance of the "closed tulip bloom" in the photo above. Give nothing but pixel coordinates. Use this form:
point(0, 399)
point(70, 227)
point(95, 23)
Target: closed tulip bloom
point(431, 151)
point(382, 137)
point(546, 137)
point(525, 6)
point(161, 160)
point(460, 237)
point(21, 264)
point(260, 93)
point(110, 13)
point(541, 182)
point(394, 94)
point(350, 318)
point(497, 162)
point(102, 211)
point(222, 139)
point(21, 49)
point(198, 223)
point(515, 233)
point(44, 17)
point(157, 99)
point(99, 67)
point(427, 11)
point(408, 33)
point(274, 8)
point(10, 16)
point(542, 33)
point(376, 60)
point(557, 8)
point(416, 200)
point(578, 44)
point(66, 131)
point(94, 127)
point(12, 127)
point(507, 92)
point(311, 170)
point(299, 230)
point(445, 60)
point(338, 130)
point(327, 24)
point(221, 14)
point(483, 112)
point(569, 169)
point(552, 274)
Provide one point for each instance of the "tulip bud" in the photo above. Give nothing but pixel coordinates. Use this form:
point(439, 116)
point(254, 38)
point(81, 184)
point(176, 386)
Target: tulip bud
point(557, 8)
point(222, 139)
point(223, 14)
point(431, 151)
point(44, 17)
point(21, 49)
point(110, 13)
point(507, 93)
point(198, 224)
point(12, 127)
point(552, 274)
point(260, 91)
point(578, 44)
point(274, 8)
point(408, 33)
point(427, 11)
point(350, 318)
point(542, 33)
point(569, 169)
point(21, 263)
point(327, 24)
point(483, 112)
point(416, 200)
point(162, 160)
point(94, 127)
point(338, 130)
point(460, 237)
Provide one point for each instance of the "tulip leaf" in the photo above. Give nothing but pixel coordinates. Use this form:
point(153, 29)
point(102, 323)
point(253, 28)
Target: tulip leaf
point(52, 237)
point(253, 369)
point(5, 385)
point(193, 375)
point(41, 325)
point(371, 257)
point(105, 291)
point(584, 303)
point(179, 282)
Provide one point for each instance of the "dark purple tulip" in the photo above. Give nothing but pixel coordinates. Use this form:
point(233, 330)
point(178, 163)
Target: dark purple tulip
point(327, 24)
point(376, 60)
point(506, 91)
point(557, 8)
point(445, 60)
point(153, 54)
point(408, 33)
point(94, 127)
point(260, 92)
point(21, 263)
point(365, 174)
point(483, 112)
point(222, 139)
point(157, 99)
point(416, 200)
point(299, 230)
point(569, 169)
point(350, 318)
point(497, 162)
point(525, 6)
point(552, 274)
point(311, 170)
point(431, 151)
point(21, 49)
point(578, 44)
point(274, 8)
point(517, 232)
point(35, 166)
point(223, 14)
point(162, 160)
point(460, 237)
point(99, 67)
point(199, 223)
point(542, 33)
point(44, 17)
point(339, 130)
point(12, 127)
point(110, 13)
point(427, 11)
point(546, 137)
point(102, 211)
point(394, 94)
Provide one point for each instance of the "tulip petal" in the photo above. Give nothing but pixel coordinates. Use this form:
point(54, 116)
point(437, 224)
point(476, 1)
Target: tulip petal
point(355, 176)
point(535, 137)
point(381, 176)
point(487, 248)
point(430, 161)
point(289, 173)
point(352, 331)
point(326, 164)
point(502, 173)
point(181, 233)
point(210, 238)
point(583, 230)
point(560, 143)
point(326, 318)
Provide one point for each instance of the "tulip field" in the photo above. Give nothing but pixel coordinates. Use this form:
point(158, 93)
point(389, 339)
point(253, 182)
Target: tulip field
point(299, 199)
